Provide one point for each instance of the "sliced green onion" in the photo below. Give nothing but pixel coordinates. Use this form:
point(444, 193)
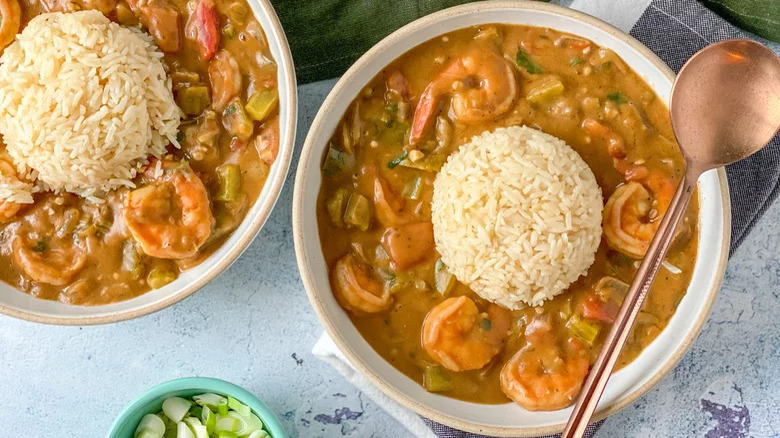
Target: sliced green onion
point(183, 431)
point(259, 434)
point(227, 423)
point(198, 429)
point(209, 419)
point(152, 424)
point(575, 61)
point(392, 164)
point(617, 97)
point(222, 410)
point(146, 433)
point(239, 407)
point(196, 411)
point(211, 401)
point(486, 324)
point(176, 408)
point(523, 59)
point(241, 427)
point(226, 434)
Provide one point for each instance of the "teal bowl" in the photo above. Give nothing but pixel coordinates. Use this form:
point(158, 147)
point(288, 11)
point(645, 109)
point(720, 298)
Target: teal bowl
point(151, 403)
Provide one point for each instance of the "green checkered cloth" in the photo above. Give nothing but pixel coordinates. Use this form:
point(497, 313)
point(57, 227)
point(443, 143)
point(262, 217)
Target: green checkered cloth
point(327, 36)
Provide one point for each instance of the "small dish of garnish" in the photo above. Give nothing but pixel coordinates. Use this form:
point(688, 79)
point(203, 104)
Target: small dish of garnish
point(197, 407)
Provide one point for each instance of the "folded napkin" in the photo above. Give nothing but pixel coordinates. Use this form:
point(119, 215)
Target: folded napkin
point(674, 30)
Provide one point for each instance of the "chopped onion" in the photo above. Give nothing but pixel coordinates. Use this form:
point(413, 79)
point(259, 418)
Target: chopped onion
point(176, 408)
point(152, 424)
point(671, 268)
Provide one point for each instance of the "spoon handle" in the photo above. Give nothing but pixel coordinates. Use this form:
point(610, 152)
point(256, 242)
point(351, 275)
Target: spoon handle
point(602, 369)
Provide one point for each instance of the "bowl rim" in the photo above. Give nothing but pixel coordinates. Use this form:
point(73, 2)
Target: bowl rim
point(303, 256)
point(272, 189)
point(210, 384)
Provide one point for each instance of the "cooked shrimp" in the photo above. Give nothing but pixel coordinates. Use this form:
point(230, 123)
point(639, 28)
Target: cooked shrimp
point(225, 79)
point(356, 289)
point(633, 213)
point(171, 217)
point(538, 378)
point(10, 20)
point(616, 148)
point(461, 338)
point(52, 262)
point(482, 85)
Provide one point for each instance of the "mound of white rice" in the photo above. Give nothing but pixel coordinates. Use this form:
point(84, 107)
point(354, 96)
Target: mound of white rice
point(84, 102)
point(516, 216)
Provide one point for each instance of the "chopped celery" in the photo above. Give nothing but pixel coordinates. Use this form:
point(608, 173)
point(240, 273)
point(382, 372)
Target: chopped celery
point(151, 423)
point(261, 104)
point(617, 97)
point(544, 89)
point(392, 164)
point(443, 280)
point(585, 330)
point(430, 162)
point(413, 189)
point(236, 121)
point(435, 379)
point(159, 277)
point(176, 408)
point(229, 176)
point(358, 212)
point(337, 161)
point(193, 100)
point(523, 59)
point(335, 206)
point(238, 407)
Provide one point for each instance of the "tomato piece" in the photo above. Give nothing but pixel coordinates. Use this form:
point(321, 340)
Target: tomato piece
point(594, 308)
point(203, 28)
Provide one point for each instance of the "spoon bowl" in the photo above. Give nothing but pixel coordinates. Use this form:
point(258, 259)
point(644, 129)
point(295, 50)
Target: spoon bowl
point(725, 102)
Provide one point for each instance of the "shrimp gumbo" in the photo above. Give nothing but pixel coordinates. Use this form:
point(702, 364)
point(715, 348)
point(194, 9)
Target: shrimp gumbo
point(183, 203)
point(374, 211)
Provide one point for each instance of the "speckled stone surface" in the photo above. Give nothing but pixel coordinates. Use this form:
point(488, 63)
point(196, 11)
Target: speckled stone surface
point(254, 326)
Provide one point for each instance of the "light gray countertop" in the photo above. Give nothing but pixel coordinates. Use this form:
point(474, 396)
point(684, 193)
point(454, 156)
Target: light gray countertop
point(253, 326)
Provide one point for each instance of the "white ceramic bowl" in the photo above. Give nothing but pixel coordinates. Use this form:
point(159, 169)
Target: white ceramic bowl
point(508, 419)
point(21, 305)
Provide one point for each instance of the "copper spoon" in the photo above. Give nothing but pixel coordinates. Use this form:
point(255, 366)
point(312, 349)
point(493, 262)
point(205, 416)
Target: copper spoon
point(725, 106)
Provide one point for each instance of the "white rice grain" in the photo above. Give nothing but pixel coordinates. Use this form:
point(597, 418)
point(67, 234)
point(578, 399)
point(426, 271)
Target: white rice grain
point(83, 103)
point(516, 216)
